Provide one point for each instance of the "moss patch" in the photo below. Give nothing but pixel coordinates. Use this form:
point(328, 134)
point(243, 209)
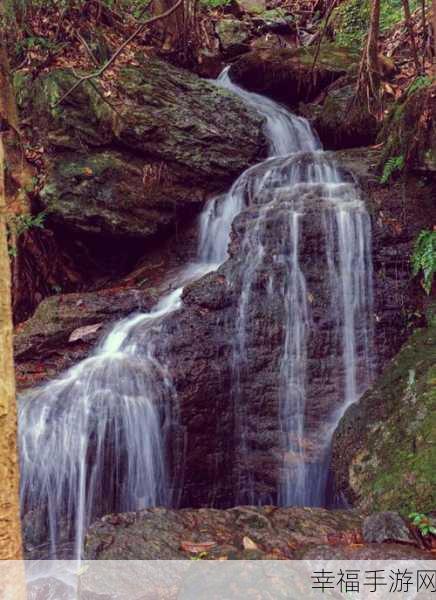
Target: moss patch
point(384, 452)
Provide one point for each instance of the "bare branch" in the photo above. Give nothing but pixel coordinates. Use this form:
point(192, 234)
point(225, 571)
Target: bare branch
point(326, 23)
point(117, 53)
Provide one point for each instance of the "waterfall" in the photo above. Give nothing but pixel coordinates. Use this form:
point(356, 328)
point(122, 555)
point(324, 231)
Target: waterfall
point(92, 440)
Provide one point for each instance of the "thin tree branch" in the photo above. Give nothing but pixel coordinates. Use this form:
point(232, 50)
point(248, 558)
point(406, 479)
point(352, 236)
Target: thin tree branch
point(117, 53)
point(409, 26)
point(326, 23)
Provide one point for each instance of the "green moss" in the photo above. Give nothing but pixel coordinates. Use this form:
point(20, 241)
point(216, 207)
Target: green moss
point(330, 56)
point(350, 19)
point(395, 467)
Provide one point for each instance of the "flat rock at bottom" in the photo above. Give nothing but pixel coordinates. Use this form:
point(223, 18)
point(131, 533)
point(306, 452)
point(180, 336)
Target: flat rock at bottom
point(274, 533)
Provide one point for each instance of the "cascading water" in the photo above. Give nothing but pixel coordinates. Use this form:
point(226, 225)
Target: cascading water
point(91, 441)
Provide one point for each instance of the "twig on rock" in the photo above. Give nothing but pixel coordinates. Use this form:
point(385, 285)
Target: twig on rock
point(117, 53)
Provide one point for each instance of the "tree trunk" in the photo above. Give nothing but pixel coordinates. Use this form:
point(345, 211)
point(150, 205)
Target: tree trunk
point(10, 531)
point(369, 80)
point(372, 49)
point(424, 34)
point(409, 25)
point(433, 22)
point(179, 31)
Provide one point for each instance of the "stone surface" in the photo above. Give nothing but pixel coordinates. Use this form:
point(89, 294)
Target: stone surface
point(107, 193)
point(387, 527)
point(340, 123)
point(286, 74)
point(383, 452)
point(399, 211)
point(141, 168)
point(203, 333)
point(277, 533)
point(252, 6)
point(367, 552)
point(42, 344)
point(199, 342)
point(233, 36)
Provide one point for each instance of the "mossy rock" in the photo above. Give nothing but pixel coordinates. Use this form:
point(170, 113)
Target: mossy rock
point(233, 36)
point(286, 74)
point(163, 113)
point(410, 131)
point(204, 132)
point(384, 451)
point(340, 123)
point(82, 120)
point(114, 194)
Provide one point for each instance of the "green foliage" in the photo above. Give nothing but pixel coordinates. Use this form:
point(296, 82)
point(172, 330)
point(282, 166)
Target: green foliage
point(396, 163)
point(215, 3)
point(424, 257)
point(352, 18)
point(420, 82)
point(423, 523)
point(199, 556)
point(18, 224)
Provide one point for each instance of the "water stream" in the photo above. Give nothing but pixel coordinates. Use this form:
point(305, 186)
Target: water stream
point(91, 441)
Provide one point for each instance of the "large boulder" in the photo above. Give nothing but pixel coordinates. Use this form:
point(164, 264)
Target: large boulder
point(287, 75)
point(138, 164)
point(233, 36)
point(383, 455)
point(115, 195)
point(204, 333)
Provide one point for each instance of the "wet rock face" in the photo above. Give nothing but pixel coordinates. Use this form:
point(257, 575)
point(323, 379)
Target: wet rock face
point(240, 533)
point(203, 338)
point(286, 74)
point(204, 450)
point(399, 211)
point(223, 387)
point(64, 329)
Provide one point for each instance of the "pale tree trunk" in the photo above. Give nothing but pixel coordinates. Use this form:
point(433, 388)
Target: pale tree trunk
point(409, 25)
point(10, 532)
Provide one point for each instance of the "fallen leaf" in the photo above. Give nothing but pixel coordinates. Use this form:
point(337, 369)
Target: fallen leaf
point(83, 332)
point(248, 544)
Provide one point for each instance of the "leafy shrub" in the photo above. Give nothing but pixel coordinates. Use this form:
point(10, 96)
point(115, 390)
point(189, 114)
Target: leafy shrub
point(424, 257)
point(422, 522)
point(420, 82)
point(353, 16)
point(18, 224)
point(396, 163)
